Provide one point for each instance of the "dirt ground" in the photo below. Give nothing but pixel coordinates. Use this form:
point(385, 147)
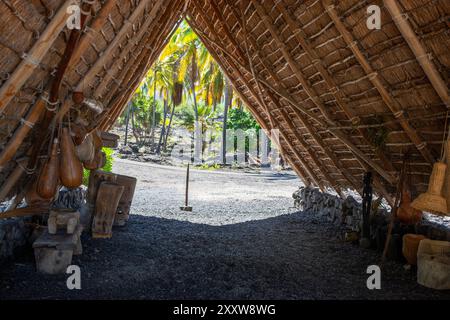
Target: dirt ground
point(243, 240)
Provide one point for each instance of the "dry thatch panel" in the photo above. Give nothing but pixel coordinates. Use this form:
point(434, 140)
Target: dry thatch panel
point(345, 99)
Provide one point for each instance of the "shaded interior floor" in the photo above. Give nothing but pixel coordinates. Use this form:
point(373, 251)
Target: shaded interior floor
point(275, 255)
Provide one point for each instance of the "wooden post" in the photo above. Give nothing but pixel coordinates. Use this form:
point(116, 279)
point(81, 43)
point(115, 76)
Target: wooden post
point(123, 209)
point(186, 196)
point(366, 206)
point(108, 197)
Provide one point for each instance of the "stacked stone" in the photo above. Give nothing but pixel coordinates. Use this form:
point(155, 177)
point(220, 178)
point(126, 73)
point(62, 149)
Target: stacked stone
point(14, 234)
point(346, 212)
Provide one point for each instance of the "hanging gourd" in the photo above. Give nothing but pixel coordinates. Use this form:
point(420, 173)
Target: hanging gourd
point(405, 213)
point(86, 150)
point(47, 184)
point(70, 168)
point(446, 192)
point(432, 201)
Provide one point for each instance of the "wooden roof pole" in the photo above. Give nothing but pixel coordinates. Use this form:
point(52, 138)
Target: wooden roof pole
point(113, 45)
point(326, 125)
point(31, 60)
point(160, 5)
point(262, 104)
point(220, 17)
point(120, 101)
point(139, 54)
point(39, 107)
point(309, 151)
point(310, 91)
point(89, 34)
point(333, 87)
point(336, 132)
point(317, 139)
point(418, 49)
point(375, 79)
point(256, 114)
point(100, 62)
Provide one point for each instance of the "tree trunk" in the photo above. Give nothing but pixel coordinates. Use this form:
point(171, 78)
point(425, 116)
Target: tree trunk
point(194, 97)
point(127, 121)
point(133, 126)
point(153, 113)
point(163, 129)
point(168, 128)
point(227, 104)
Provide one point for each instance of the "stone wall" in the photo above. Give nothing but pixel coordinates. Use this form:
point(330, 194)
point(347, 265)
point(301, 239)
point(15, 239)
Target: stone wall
point(14, 235)
point(348, 214)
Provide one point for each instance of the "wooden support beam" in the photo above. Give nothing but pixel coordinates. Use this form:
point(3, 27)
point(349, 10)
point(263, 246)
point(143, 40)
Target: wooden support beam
point(149, 51)
point(401, 21)
point(265, 107)
point(309, 90)
point(113, 45)
point(27, 211)
point(89, 34)
point(159, 6)
point(374, 77)
point(256, 97)
point(31, 60)
point(276, 79)
point(240, 77)
point(338, 94)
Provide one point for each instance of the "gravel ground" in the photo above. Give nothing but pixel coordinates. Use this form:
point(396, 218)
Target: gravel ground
point(242, 241)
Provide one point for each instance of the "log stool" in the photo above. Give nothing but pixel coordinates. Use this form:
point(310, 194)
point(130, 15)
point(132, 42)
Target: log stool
point(108, 197)
point(53, 252)
point(123, 210)
point(96, 177)
point(63, 218)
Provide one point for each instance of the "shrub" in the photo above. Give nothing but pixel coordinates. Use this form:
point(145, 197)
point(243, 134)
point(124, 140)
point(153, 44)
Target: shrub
point(107, 167)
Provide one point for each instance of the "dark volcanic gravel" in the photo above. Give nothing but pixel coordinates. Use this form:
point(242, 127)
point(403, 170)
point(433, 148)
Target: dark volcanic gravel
point(242, 241)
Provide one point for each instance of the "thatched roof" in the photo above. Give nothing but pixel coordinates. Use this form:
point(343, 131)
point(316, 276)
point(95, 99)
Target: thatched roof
point(346, 99)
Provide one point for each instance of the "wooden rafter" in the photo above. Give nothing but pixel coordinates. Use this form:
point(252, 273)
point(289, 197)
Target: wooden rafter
point(375, 78)
point(418, 49)
point(240, 76)
point(328, 78)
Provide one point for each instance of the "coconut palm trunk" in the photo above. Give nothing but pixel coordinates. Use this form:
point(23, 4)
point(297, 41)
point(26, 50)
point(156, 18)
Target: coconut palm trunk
point(152, 134)
point(163, 129)
point(227, 104)
point(127, 121)
point(168, 129)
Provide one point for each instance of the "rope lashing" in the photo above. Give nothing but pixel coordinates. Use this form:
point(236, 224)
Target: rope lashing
point(53, 105)
point(373, 75)
point(29, 124)
point(421, 145)
point(30, 60)
point(27, 170)
point(399, 114)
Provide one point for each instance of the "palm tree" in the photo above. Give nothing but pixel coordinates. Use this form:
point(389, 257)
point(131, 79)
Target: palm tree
point(227, 105)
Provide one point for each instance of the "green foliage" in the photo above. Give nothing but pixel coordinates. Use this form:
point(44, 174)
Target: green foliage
point(107, 167)
point(209, 167)
point(185, 61)
point(241, 119)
